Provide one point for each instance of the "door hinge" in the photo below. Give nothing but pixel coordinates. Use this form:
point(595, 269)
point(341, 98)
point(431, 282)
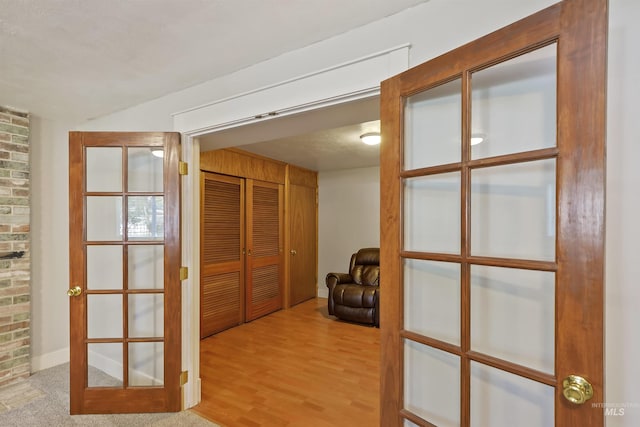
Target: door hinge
point(184, 377)
point(183, 168)
point(184, 273)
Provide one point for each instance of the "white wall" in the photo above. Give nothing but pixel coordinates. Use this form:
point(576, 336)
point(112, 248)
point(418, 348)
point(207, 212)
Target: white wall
point(432, 28)
point(623, 204)
point(49, 243)
point(348, 218)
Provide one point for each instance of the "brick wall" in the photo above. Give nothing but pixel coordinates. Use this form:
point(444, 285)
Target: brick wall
point(14, 246)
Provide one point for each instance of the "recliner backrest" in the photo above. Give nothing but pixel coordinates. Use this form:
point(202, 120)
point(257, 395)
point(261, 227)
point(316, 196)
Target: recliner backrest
point(365, 267)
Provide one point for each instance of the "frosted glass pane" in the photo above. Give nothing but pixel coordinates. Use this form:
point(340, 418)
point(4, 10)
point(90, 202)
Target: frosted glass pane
point(145, 218)
point(104, 267)
point(432, 299)
point(432, 384)
point(145, 170)
point(146, 315)
point(105, 365)
point(104, 316)
point(104, 218)
point(513, 211)
point(513, 105)
point(432, 127)
point(501, 399)
point(146, 266)
point(432, 213)
point(512, 315)
point(146, 364)
point(104, 168)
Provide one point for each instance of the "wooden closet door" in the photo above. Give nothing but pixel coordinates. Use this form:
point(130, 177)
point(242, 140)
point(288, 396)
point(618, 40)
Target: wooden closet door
point(222, 247)
point(303, 255)
point(264, 248)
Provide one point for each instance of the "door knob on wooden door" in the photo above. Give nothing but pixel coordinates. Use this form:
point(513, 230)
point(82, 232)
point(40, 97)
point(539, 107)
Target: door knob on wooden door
point(75, 291)
point(293, 252)
point(576, 389)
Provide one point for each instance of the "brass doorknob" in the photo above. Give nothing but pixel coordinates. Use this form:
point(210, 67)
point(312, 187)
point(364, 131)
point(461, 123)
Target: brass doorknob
point(75, 291)
point(293, 252)
point(576, 389)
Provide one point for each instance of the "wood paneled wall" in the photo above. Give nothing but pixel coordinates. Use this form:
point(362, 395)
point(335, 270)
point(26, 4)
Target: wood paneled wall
point(301, 176)
point(234, 162)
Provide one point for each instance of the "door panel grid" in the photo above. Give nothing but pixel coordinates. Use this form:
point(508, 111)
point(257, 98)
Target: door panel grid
point(498, 212)
point(125, 252)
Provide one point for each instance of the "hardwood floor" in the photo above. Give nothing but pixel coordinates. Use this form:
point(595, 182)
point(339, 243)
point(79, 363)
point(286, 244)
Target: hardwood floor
point(296, 367)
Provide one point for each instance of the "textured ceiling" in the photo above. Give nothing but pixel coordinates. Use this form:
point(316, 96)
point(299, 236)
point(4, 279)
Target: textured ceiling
point(320, 140)
point(79, 59)
point(329, 149)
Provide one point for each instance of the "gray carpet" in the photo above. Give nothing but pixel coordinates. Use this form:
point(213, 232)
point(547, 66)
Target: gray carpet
point(43, 400)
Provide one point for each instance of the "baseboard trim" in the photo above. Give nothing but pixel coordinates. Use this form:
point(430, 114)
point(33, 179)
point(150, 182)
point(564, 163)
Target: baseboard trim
point(323, 293)
point(49, 360)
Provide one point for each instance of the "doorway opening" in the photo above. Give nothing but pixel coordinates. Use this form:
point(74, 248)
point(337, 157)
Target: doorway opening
point(325, 140)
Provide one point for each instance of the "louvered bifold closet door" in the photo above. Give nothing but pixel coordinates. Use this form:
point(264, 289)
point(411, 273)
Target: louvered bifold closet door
point(222, 270)
point(264, 248)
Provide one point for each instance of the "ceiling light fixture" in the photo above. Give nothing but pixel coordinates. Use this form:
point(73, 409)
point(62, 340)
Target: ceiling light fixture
point(477, 138)
point(370, 138)
point(158, 152)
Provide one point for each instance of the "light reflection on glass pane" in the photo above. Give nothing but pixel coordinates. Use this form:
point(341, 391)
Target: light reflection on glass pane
point(432, 213)
point(432, 126)
point(104, 168)
point(104, 267)
point(145, 218)
point(105, 364)
point(104, 218)
point(145, 169)
point(529, 403)
point(514, 104)
point(146, 266)
point(146, 364)
point(513, 211)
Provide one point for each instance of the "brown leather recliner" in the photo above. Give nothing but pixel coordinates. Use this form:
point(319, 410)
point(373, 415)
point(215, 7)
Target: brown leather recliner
point(355, 296)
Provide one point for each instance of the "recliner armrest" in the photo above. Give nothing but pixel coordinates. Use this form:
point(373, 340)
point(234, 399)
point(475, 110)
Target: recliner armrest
point(334, 279)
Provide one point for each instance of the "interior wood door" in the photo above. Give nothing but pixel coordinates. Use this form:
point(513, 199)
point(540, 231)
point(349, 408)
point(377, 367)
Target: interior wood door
point(222, 253)
point(124, 240)
point(264, 248)
point(492, 237)
point(303, 240)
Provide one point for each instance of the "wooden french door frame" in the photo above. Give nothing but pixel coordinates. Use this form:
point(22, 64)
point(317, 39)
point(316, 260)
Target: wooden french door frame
point(580, 28)
point(124, 399)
